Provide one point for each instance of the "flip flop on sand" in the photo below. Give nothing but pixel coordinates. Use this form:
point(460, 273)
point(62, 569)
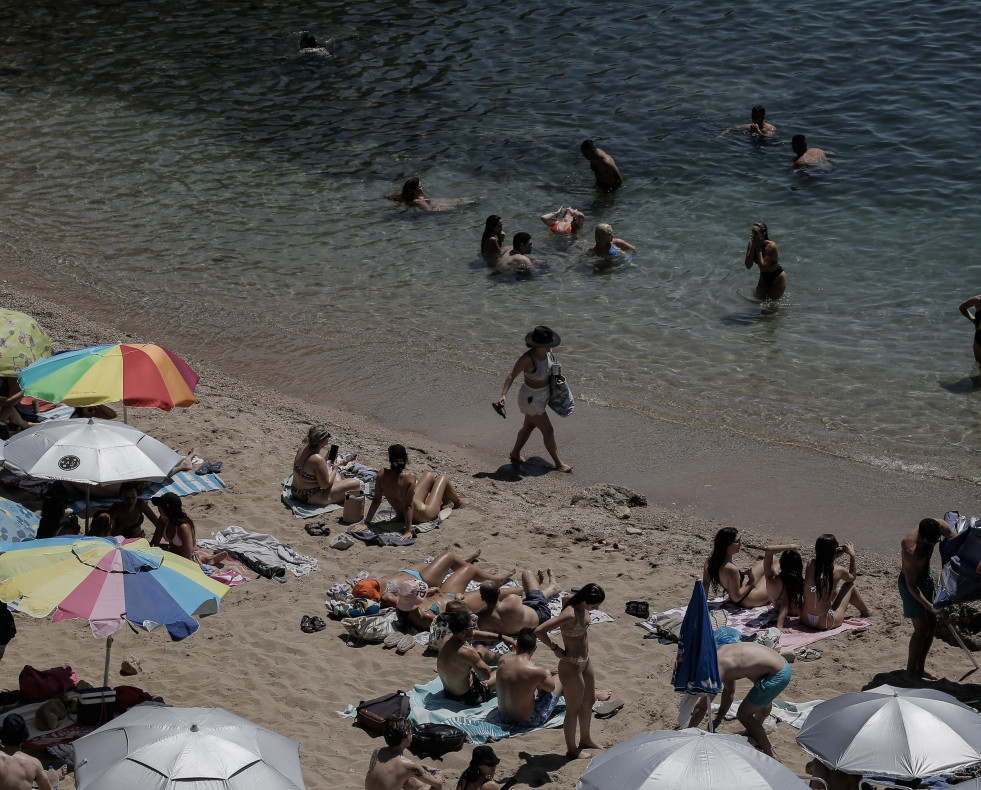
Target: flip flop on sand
point(392, 640)
point(317, 624)
point(406, 643)
point(807, 654)
point(306, 624)
point(606, 709)
point(317, 529)
point(602, 543)
point(616, 547)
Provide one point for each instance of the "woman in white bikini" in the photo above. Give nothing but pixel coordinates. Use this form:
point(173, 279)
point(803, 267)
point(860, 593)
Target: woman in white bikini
point(747, 587)
point(824, 603)
point(575, 669)
point(534, 365)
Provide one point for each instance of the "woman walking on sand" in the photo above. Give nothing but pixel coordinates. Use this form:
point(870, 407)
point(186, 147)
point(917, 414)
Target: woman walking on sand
point(535, 365)
point(824, 607)
point(575, 668)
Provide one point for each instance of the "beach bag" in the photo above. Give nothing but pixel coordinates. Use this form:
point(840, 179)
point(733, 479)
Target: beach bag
point(37, 685)
point(559, 395)
point(373, 714)
point(435, 740)
point(353, 507)
point(668, 626)
point(96, 706)
point(368, 629)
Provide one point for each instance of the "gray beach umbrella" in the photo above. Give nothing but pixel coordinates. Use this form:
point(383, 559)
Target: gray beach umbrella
point(895, 732)
point(688, 759)
point(152, 747)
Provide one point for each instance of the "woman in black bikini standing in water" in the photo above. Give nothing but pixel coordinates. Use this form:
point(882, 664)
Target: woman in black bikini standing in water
point(764, 253)
point(746, 588)
point(975, 302)
point(534, 364)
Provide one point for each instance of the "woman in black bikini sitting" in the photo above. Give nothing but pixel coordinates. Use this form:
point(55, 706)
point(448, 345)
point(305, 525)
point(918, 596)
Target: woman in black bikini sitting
point(784, 581)
point(764, 253)
point(129, 512)
point(746, 588)
point(315, 479)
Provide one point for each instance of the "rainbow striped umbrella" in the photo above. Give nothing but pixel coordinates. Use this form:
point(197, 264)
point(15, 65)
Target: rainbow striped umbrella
point(17, 523)
point(109, 582)
point(138, 374)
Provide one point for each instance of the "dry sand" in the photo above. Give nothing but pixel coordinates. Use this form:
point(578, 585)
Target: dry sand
point(253, 659)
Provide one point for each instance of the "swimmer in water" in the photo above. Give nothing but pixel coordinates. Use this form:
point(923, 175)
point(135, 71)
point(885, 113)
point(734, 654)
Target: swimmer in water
point(606, 245)
point(309, 45)
point(764, 253)
point(975, 302)
point(565, 220)
point(413, 194)
point(516, 259)
point(604, 168)
point(809, 157)
point(492, 241)
point(758, 127)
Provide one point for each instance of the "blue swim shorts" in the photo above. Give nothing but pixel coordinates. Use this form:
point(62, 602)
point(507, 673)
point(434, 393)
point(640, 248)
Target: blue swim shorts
point(545, 702)
point(768, 688)
point(536, 600)
point(911, 606)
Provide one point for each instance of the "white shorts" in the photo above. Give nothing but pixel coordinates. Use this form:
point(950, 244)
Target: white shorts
point(531, 401)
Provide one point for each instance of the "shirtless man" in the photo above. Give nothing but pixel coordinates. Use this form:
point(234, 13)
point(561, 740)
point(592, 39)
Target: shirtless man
point(508, 615)
point(809, 157)
point(566, 220)
point(604, 168)
point(916, 590)
point(466, 677)
point(764, 253)
point(414, 499)
point(758, 127)
point(390, 769)
point(770, 674)
point(19, 771)
point(526, 693)
point(516, 258)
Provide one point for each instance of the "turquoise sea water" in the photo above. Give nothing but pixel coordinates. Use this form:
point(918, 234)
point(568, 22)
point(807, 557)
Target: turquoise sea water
point(188, 147)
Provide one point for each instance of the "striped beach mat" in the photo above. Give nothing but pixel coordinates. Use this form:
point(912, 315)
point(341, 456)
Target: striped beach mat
point(182, 484)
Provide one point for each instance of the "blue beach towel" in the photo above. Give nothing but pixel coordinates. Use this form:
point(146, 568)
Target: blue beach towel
point(183, 484)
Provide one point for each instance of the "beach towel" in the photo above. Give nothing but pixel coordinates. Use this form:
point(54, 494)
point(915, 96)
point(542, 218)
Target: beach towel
point(751, 621)
point(387, 528)
point(481, 723)
point(183, 484)
point(261, 548)
point(352, 469)
point(231, 572)
point(60, 412)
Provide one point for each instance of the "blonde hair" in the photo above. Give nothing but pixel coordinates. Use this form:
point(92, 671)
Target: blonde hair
point(605, 229)
point(317, 435)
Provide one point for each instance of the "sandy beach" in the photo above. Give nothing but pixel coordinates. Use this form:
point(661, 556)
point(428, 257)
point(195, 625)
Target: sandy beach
point(253, 659)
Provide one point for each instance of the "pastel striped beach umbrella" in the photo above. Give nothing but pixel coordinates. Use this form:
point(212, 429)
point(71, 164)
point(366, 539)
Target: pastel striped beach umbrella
point(17, 523)
point(22, 342)
point(109, 582)
point(138, 374)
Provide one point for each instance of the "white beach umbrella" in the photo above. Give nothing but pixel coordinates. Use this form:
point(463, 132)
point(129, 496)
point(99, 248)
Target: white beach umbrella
point(151, 747)
point(88, 452)
point(895, 732)
point(689, 759)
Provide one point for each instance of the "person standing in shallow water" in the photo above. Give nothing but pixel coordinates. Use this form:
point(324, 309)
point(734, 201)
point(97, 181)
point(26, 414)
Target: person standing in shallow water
point(535, 365)
point(764, 253)
point(975, 302)
point(604, 168)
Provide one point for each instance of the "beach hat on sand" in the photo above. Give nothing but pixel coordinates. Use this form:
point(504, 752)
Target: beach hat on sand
point(542, 337)
point(411, 594)
point(367, 588)
point(484, 755)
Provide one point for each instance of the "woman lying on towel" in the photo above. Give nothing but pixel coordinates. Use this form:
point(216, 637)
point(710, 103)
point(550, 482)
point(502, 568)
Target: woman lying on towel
point(824, 606)
point(746, 587)
point(316, 481)
point(175, 532)
point(784, 581)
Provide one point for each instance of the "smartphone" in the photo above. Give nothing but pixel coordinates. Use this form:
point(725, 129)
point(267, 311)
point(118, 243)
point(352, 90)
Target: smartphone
point(332, 455)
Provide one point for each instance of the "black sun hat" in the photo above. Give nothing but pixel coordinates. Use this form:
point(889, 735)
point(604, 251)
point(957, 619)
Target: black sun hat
point(542, 337)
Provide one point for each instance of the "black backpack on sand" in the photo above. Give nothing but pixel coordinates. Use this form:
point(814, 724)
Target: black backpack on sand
point(435, 740)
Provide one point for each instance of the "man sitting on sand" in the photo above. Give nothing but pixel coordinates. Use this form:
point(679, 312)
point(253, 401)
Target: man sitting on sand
point(916, 590)
point(507, 614)
point(19, 771)
point(809, 157)
point(466, 677)
point(415, 499)
point(526, 693)
point(390, 769)
point(770, 674)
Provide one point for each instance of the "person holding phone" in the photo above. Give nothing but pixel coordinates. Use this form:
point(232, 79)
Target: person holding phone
point(315, 478)
point(825, 603)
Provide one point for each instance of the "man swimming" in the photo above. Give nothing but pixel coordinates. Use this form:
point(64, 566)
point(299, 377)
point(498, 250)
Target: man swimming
point(516, 258)
point(758, 127)
point(809, 157)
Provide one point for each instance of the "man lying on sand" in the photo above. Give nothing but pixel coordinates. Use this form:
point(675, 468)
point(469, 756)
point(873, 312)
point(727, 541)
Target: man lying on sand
point(466, 677)
point(508, 615)
point(390, 769)
point(526, 693)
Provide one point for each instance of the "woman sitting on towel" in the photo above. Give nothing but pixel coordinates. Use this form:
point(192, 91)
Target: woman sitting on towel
point(784, 581)
point(316, 481)
point(824, 605)
point(746, 587)
point(175, 532)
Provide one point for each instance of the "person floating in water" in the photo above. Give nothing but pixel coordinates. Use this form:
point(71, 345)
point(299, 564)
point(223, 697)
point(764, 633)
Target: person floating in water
point(565, 220)
point(604, 168)
point(809, 157)
point(413, 194)
point(758, 127)
point(764, 253)
point(309, 45)
point(606, 245)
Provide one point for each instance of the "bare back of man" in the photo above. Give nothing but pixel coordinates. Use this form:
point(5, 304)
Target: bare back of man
point(603, 166)
point(519, 682)
point(458, 662)
point(389, 769)
point(20, 771)
point(512, 613)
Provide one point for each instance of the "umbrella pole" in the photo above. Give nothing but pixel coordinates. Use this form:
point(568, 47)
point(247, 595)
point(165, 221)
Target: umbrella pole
point(711, 724)
point(87, 487)
point(105, 677)
point(125, 417)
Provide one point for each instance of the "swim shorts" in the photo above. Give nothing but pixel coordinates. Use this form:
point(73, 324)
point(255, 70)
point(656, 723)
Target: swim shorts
point(536, 600)
point(911, 606)
point(478, 693)
point(545, 702)
point(532, 402)
point(768, 688)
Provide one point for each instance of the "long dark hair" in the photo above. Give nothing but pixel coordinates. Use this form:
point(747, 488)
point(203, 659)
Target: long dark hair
point(724, 538)
point(409, 190)
point(590, 593)
point(470, 774)
point(490, 228)
point(825, 548)
point(792, 576)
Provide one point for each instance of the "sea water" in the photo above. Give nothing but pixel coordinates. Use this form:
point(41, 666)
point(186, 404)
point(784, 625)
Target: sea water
point(188, 148)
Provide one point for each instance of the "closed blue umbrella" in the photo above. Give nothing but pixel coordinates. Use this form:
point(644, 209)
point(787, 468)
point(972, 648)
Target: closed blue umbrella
point(696, 669)
point(17, 523)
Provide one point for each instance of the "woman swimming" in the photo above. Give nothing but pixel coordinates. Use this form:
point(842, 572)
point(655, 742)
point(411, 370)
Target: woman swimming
point(606, 245)
point(824, 605)
point(747, 587)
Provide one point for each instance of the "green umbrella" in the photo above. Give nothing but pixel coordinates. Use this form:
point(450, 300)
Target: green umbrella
point(22, 342)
